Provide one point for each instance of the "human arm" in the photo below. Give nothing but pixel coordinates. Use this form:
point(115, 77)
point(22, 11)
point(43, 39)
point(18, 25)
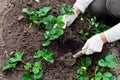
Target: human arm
point(79, 7)
point(95, 43)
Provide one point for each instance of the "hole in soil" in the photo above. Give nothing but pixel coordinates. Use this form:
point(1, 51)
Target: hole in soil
point(72, 46)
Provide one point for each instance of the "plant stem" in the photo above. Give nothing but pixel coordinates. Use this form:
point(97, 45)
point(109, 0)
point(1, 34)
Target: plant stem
point(20, 69)
point(23, 62)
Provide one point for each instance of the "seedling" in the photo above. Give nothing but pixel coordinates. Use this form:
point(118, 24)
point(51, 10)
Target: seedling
point(36, 16)
point(50, 21)
point(99, 73)
point(33, 71)
point(109, 61)
point(104, 76)
point(51, 35)
point(82, 72)
point(67, 10)
point(93, 26)
point(13, 61)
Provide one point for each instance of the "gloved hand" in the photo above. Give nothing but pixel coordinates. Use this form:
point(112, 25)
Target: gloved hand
point(68, 19)
point(93, 44)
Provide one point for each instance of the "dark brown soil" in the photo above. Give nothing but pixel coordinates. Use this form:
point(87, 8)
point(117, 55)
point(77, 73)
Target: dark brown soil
point(15, 35)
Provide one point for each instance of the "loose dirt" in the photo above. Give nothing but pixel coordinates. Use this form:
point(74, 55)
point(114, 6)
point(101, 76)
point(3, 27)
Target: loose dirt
point(15, 35)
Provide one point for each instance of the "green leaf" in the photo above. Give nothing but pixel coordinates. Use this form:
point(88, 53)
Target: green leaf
point(102, 63)
point(59, 18)
point(81, 32)
point(39, 75)
point(48, 56)
point(55, 33)
point(39, 54)
point(81, 72)
point(111, 64)
point(8, 66)
point(46, 42)
point(60, 22)
point(82, 78)
point(105, 78)
point(12, 60)
point(18, 57)
point(113, 78)
point(34, 19)
point(37, 0)
point(27, 77)
point(98, 76)
point(67, 10)
point(47, 35)
point(86, 62)
point(25, 10)
point(27, 66)
point(37, 67)
point(110, 57)
point(49, 22)
point(43, 12)
point(107, 74)
point(28, 12)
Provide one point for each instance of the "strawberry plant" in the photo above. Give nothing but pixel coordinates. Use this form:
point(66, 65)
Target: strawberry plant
point(93, 26)
point(12, 62)
point(98, 73)
point(36, 16)
point(109, 61)
point(66, 10)
point(33, 71)
point(50, 21)
point(51, 35)
point(82, 72)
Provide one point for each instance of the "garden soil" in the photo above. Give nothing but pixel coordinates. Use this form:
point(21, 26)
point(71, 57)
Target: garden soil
point(15, 35)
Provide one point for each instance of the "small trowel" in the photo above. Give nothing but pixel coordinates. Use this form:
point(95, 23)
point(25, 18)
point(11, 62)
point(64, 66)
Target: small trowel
point(69, 59)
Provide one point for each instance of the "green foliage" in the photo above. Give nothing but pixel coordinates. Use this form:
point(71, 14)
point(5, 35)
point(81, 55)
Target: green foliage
point(27, 77)
point(98, 73)
point(109, 61)
point(33, 71)
point(85, 35)
point(12, 62)
point(37, 67)
point(51, 35)
point(47, 55)
point(18, 57)
point(97, 27)
point(28, 66)
point(50, 21)
point(85, 61)
point(38, 75)
point(104, 76)
point(37, 16)
point(82, 74)
point(93, 26)
point(67, 10)
point(8, 66)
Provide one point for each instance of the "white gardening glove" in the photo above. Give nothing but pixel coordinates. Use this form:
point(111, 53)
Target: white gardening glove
point(68, 20)
point(113, 34)
point(93, 44)
point(82, 4)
